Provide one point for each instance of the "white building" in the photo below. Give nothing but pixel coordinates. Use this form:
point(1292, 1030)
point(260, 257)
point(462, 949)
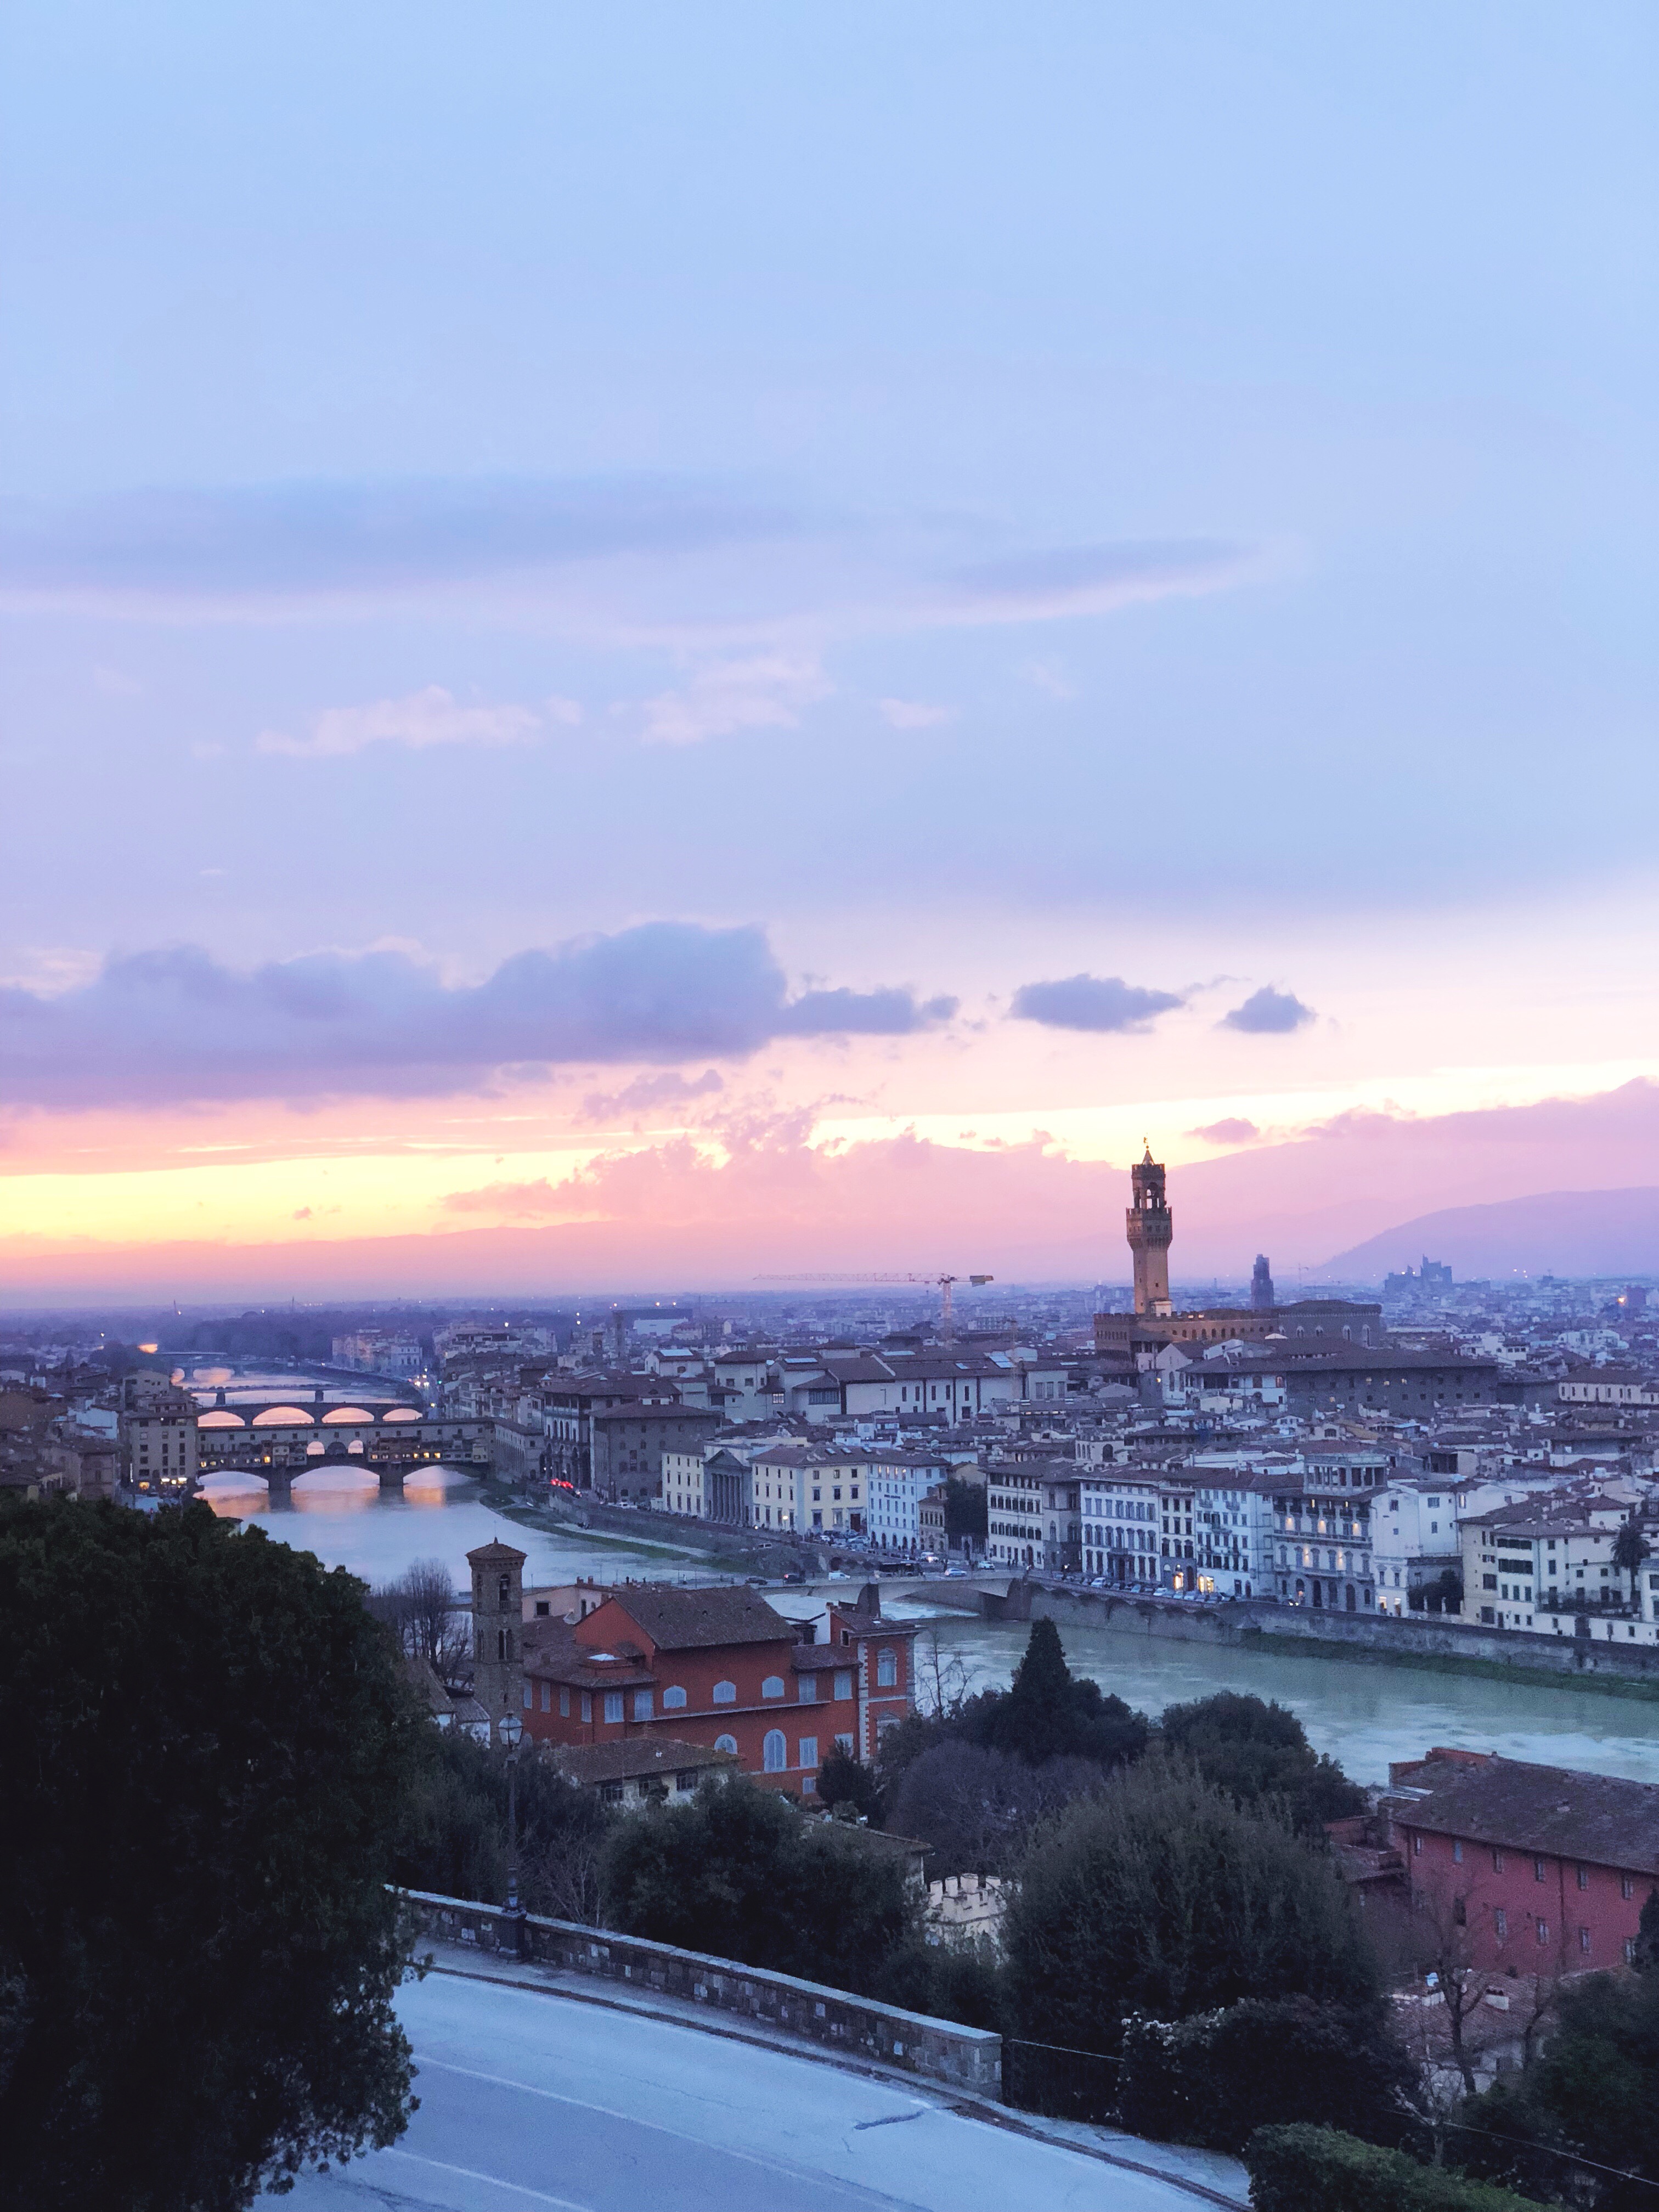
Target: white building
point(898, 1482)
point(1548, 1565)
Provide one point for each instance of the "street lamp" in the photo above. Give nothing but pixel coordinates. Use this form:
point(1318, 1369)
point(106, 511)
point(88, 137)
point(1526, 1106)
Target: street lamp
point(512, 1731)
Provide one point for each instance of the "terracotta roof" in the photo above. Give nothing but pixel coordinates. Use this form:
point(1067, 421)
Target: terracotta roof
point(696, 1620)
point(635, 1755)
point(1556, 1811)
point(496, 1555)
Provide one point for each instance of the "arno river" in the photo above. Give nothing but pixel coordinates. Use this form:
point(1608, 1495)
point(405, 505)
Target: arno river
point(1363, 1715)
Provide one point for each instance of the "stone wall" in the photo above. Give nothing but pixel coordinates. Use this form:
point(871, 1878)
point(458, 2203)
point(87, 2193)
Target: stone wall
point(1238, 1620)
point(966, 2058)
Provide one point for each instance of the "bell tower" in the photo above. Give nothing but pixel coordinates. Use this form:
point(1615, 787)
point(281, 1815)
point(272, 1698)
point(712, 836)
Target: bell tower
point(497, 1631)
point(1150, 1227)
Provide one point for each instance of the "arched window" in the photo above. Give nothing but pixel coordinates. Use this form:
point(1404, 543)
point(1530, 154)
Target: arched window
point(725, 1693)
point(726, 1743)
point(775, 1752)
point(886, 1670)
point(672, 1699)
point(772, 1686)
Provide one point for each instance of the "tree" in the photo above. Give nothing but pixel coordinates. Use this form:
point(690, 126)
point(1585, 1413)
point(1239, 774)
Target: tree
point(452, 1836)
point(205, 1740)
point(423, 1612)
point(1050, 1713)
point(1255, 1750)
point(941, 1676)
point(844, 1780)
point(964, 1509)
point(1630, 1549)
point(975, 1809)
point(1162, 1896)
point(737, 1872)
point(1645, 1958)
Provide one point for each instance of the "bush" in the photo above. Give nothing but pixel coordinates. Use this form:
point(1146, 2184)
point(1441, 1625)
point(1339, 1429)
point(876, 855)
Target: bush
point(1161, 1896)
point(1308, 2169)
point(452, 1836)
point(1213, 2079)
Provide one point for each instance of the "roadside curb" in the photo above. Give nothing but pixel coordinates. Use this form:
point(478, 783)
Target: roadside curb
point(1031, 2125)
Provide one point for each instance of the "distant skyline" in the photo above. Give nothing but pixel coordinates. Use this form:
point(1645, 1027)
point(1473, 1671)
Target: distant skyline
point(651, 647)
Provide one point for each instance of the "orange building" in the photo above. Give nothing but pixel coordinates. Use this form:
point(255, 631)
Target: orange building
point(721, 1667)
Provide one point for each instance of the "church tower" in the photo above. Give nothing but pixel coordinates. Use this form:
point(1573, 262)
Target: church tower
point(497, 1630)
point(1151, 1226)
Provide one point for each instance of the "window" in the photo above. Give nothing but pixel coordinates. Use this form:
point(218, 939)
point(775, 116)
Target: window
point(1500, 1921)
point(1460, 1912)
point(1457, 1851)
point(1584, 1940)
point(775, 1752)
point(587, 1706)
point(547, 1696)
point(613, 1705)
point(843, 1686)
point(642, 1705)
point(887, 1669)
point(1629, 1950)
point(772, 1686)
point(844, 1743)
point(564, 1704)
point(807, 1689)
point(1497, 1862)
point(1543, 1931)
point(726, 1743)
point(1538, 1870)
point(808, 1754)
point(673, 1699)
point(1627, 1886)
point(725, 1693)
point(686, 1781)
point(610, 1793)
point(1417, 1847)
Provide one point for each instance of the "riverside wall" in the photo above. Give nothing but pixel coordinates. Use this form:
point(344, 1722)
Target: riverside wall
point(1415, 1639)
point(939, 2050)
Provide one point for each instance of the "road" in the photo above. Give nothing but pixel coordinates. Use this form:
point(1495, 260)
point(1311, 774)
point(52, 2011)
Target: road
point(532, 2101)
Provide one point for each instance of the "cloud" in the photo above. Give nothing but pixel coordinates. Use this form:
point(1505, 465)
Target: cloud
point(1267, 1012)
point(1229, 1132)
point(646, 1093)
point(766, 691)
point(1091, 1002)
point(1065, 582)
point(425, 718)
point(266, 545)
point(167, 1026)
point(914, 713)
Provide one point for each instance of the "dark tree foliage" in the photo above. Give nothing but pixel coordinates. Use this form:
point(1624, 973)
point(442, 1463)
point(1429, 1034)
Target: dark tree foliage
point(975, 1809)
point(965, 1509)
point(1646, 1958)
point(1300, 2168)
point(737, 1872)
point(204, 1742)
point(1256, 1751)
point(452, 1835)
point(1050, 1713)
point(844, 1780)
point(1161, 1896)
point(1594, 2091)
point(1214, 2079)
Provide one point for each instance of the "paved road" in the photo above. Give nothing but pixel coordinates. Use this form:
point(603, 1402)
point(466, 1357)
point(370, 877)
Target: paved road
point(530, 2101)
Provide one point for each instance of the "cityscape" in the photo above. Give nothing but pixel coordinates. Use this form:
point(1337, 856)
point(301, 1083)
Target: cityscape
point(829, 1092)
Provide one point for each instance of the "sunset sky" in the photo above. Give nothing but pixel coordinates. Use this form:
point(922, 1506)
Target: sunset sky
point(647, 646)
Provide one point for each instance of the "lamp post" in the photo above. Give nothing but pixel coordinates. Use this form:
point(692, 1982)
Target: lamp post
point(512, 1731)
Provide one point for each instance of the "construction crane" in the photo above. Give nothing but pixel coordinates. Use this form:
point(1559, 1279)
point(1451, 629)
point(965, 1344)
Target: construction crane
point(943, 1282)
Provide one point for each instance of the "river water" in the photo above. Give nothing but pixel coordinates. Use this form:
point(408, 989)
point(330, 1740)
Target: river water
point(378, 1536)
point(1363, 1715)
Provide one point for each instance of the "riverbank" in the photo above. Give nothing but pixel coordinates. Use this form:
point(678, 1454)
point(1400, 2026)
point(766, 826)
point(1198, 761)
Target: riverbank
point(1599, 1684)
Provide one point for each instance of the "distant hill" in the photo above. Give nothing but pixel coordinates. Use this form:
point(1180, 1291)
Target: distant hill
point(1558, 1232)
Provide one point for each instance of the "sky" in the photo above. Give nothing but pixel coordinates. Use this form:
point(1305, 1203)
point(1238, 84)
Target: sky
point(664, 644)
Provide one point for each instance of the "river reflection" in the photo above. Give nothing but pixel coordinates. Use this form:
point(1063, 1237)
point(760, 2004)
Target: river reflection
point(1363, 1715)
point(341, 1513)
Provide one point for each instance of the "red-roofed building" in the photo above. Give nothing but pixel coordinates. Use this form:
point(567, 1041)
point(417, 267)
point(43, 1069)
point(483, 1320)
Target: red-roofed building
point(1546, 1867)
point(721, 1667)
